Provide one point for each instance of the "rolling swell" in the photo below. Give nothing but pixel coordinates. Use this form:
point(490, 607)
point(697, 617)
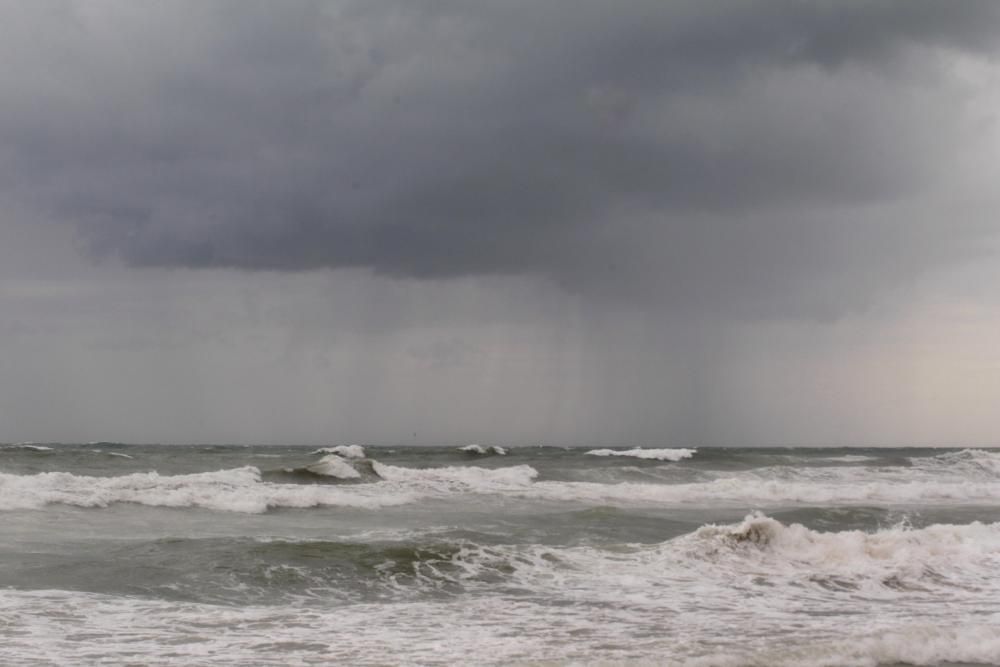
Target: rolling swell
point(360, 472)
point(277, 571)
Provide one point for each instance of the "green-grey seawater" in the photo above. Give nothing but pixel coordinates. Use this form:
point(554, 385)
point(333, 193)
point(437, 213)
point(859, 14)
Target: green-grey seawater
point(279, 555)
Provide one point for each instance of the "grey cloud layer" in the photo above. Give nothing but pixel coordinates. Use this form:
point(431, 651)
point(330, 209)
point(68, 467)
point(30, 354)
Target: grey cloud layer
point(772, 156)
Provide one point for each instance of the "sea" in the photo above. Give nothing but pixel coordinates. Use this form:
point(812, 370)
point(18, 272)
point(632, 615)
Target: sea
point(119, 554)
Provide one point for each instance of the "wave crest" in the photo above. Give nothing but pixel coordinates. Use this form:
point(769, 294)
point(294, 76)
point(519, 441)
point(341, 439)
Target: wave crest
point(469, 477)
point(344, 451)
point(969, 463)
point(234, 490)
point(483, 451)
point(897, 557)
point(641, 453)
point(333, 465)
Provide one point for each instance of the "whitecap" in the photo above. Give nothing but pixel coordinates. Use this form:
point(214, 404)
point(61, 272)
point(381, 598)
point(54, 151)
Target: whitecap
point(235, 490)
point(848, 458)
point(332, 465)
point(971, 463)
point(482, 451)
point(345, 451)
point(641, 453)
point(855, 551)
point(30, 446)
point(118, 454)
point(468, 477)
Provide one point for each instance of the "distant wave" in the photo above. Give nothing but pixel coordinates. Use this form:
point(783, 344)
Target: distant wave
point(641, 453)
point(117, 454)
point(483, 451)
point(470, 478)
point(848, 458)
point(967, 476)
point(963, 477)
point(744, 491)
point(30, 446)
point(243, 490)
point(345, 451)
point(44, 449)
point(976, 463)
point(235, 490)
point(332, 465)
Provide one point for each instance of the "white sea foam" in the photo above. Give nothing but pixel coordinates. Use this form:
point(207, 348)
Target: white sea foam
point(929, 645)
point(236, 490)
point(855, 552)
point(346, 451)
point(919, 645)
point(965, 464)
point(964, 477)
point(459, 478)
point(953, 558)
point(743, 491)
point(30, 446)
point(641, 453)
point(242, 490)
point(333, 465)
point(117, 454)
point(479, 449)
point(847, 458)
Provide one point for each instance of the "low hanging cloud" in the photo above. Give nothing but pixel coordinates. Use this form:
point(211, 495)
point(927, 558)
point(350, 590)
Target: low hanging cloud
point(773, 158)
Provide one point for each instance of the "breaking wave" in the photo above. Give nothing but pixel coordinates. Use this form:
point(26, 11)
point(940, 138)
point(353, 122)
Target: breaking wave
point(117, 454)
point(45, 449)
point(961, 477)
point(483, 451)
point(235, 490)
point(900, 549)
point(332, 465)
point(462, 477)
point(641, 453)
point(966, 463)
point(244, 489)
point(345, 451)
point(342, 478)
point(747, 491)
point(29, 446)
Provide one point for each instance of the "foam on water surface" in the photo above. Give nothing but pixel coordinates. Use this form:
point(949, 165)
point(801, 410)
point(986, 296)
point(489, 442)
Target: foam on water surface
point(332, 465)
point(236, 490)
point(651, 454)
point(958, 478)
point(345, 451)
point(383, 555)
point(483, 451)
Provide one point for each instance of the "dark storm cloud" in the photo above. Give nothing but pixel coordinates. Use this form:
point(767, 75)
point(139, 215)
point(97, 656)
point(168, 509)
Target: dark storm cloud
point(705, 154)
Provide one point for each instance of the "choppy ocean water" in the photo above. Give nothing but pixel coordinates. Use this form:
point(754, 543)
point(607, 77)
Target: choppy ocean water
point(272, 555)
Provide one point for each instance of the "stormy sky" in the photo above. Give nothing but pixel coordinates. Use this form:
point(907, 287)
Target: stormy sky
point(571, 221)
